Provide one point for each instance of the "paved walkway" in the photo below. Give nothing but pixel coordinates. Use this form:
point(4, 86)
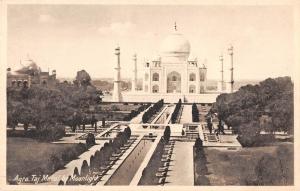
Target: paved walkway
point(107, 130)
point(181, 170)
point(186, 116)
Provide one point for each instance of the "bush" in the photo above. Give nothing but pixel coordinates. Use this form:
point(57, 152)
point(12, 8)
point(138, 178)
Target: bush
point(195, 113)
point(152, 111)
point(50, 132)
point(176, 112)
point(255, 140)
point(103, 122)
point(200, 162)
point(134, 113)
point(90, 140)
point(55, 163)
point(167, 133)
point(267, 171)
point(115, 108)
point(72, 153)
point(198, 143)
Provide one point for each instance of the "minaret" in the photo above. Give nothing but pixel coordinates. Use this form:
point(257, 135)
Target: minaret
point(222, 73)
point(117, 82)
point(134, 77)
point(230, 52)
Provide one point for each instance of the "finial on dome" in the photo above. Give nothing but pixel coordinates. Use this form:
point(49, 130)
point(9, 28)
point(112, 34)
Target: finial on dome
point(175, 26)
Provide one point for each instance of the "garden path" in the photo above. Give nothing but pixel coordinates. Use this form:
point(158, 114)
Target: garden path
point(181, 169)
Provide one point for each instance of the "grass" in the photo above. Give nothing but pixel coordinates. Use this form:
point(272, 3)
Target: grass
point(114, 112)
point(26, 156)
point(238, 167)
point(117, 107)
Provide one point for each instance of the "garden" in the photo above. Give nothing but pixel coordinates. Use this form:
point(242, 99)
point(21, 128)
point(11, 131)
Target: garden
point(270, 165)
point(47, 157)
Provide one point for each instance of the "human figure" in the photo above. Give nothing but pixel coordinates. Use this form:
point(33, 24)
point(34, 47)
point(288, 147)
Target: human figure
point(84, 120)
point(209, 123)
point(221, 127)
point(74, 121)
point(94, 122)
point(78, 120)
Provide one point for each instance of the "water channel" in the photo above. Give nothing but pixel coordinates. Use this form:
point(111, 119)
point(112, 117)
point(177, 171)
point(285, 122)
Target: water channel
point(125, 173)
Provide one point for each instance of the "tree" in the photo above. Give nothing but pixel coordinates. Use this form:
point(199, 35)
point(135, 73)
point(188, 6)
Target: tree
point(90, 140)
point(243, 110)
point(103, 122)
point(83, 78)
point(195, 113)
point(176, 111)
point(198, 143)
point(152, 111)
point(167, 133)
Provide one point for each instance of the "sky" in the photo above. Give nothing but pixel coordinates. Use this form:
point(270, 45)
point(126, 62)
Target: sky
point(69, 38)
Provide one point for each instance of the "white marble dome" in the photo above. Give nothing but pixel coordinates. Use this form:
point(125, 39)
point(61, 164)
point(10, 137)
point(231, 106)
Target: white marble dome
point(175, 43)
point(175, 47)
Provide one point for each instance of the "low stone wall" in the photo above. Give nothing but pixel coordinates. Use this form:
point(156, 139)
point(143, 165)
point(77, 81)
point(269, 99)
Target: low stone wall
point(169, 98)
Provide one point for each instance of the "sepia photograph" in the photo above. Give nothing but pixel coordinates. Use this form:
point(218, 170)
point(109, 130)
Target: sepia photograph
point(149, 94)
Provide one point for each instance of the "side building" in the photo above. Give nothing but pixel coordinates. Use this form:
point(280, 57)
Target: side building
point(30, 74)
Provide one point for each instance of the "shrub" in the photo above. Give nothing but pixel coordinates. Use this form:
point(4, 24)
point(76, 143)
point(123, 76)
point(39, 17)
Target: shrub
point(176, 111)
point(152, 111)
point(50, 132)
point(55, 163)
point(167, 133)
point(115, 108)
point(198, 143)
point(267, 171)
point(134, 113)
point(90, 140)
point(195, 113)
point(103, 122)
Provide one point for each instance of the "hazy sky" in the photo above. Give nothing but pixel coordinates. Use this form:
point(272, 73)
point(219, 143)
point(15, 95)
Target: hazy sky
point(69, 38)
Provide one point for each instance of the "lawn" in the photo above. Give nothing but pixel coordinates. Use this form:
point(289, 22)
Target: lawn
point(26, 156)
point(114, 111)
point(239, 167)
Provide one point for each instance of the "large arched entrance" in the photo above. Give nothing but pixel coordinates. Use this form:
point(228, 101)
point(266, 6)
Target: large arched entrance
point(174, 82)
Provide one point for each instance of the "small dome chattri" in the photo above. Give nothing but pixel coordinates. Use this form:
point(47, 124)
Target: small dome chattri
point(192, 58)
point(156, 58)
point(27, 65)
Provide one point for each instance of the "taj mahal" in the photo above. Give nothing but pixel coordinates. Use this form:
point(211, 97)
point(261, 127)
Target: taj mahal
point(172, 75)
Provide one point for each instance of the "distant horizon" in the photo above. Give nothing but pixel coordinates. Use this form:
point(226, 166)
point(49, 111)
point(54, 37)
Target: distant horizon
point(128, 78)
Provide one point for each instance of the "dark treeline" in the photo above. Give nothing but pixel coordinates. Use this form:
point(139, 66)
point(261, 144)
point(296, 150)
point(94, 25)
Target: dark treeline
point(267, 107)
point(176, 111)
point(152, 110)
point(49, 108)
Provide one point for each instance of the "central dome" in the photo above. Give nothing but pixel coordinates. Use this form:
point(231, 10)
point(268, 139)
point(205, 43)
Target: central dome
point(176, 46)
point(175, 43)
